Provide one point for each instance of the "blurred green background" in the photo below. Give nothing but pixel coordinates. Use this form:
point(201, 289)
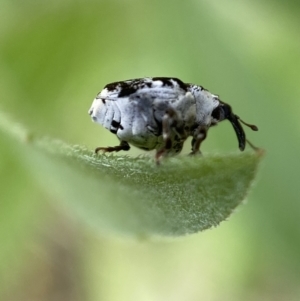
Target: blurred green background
point(56, 55)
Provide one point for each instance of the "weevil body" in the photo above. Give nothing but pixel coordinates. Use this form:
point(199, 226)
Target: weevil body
point(161, 113)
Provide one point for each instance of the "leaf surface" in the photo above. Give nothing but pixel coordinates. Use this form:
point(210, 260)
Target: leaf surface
point(133, 196)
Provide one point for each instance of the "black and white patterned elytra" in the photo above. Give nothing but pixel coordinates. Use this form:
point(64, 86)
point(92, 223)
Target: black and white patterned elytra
point(161, 113)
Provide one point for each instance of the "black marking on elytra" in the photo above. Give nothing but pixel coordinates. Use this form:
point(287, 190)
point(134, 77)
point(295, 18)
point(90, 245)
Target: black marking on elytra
point(112, 86)
point(103, 100)
point(196, 87)
point(115, 124)
point(181, 84)
point(128, 87)
point(167, 81)
point(114, 131)
point(125, 88)
point(127, 91)
point(121, 127)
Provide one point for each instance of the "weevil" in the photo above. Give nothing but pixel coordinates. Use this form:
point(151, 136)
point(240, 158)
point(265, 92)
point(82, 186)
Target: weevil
point(161, 113)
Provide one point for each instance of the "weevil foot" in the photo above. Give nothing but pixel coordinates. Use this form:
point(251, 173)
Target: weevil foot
point(159, 154)
point(123, 146)
point(195, 153)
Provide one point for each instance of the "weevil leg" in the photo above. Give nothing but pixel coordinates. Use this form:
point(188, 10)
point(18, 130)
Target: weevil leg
point(198, 138)
point(169, 122)
point(123, 146)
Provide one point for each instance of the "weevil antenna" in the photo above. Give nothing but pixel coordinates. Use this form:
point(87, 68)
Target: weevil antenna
point(251, 126)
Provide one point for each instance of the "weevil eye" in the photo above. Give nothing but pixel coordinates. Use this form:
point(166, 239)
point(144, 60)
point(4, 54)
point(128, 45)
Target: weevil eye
point(221, 112)
point(216, 113)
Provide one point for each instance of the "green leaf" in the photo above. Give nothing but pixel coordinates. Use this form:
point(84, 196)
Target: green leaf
point(132, 195)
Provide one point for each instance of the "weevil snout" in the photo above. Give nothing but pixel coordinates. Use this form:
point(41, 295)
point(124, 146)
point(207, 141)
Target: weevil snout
point(224, 111)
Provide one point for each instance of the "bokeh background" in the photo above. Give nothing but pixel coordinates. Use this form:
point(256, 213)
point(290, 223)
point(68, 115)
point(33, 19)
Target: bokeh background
point(56, 55)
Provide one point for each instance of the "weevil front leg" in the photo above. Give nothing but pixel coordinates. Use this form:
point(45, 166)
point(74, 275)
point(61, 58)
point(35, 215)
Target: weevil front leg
point(198, 137)
point(123, 146)
point(169, 123)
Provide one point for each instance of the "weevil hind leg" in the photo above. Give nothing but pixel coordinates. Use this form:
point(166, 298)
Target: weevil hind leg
point(198, 137)
point(122, 146)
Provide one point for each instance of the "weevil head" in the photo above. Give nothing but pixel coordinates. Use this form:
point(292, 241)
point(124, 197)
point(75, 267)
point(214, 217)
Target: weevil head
point(224, 111)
